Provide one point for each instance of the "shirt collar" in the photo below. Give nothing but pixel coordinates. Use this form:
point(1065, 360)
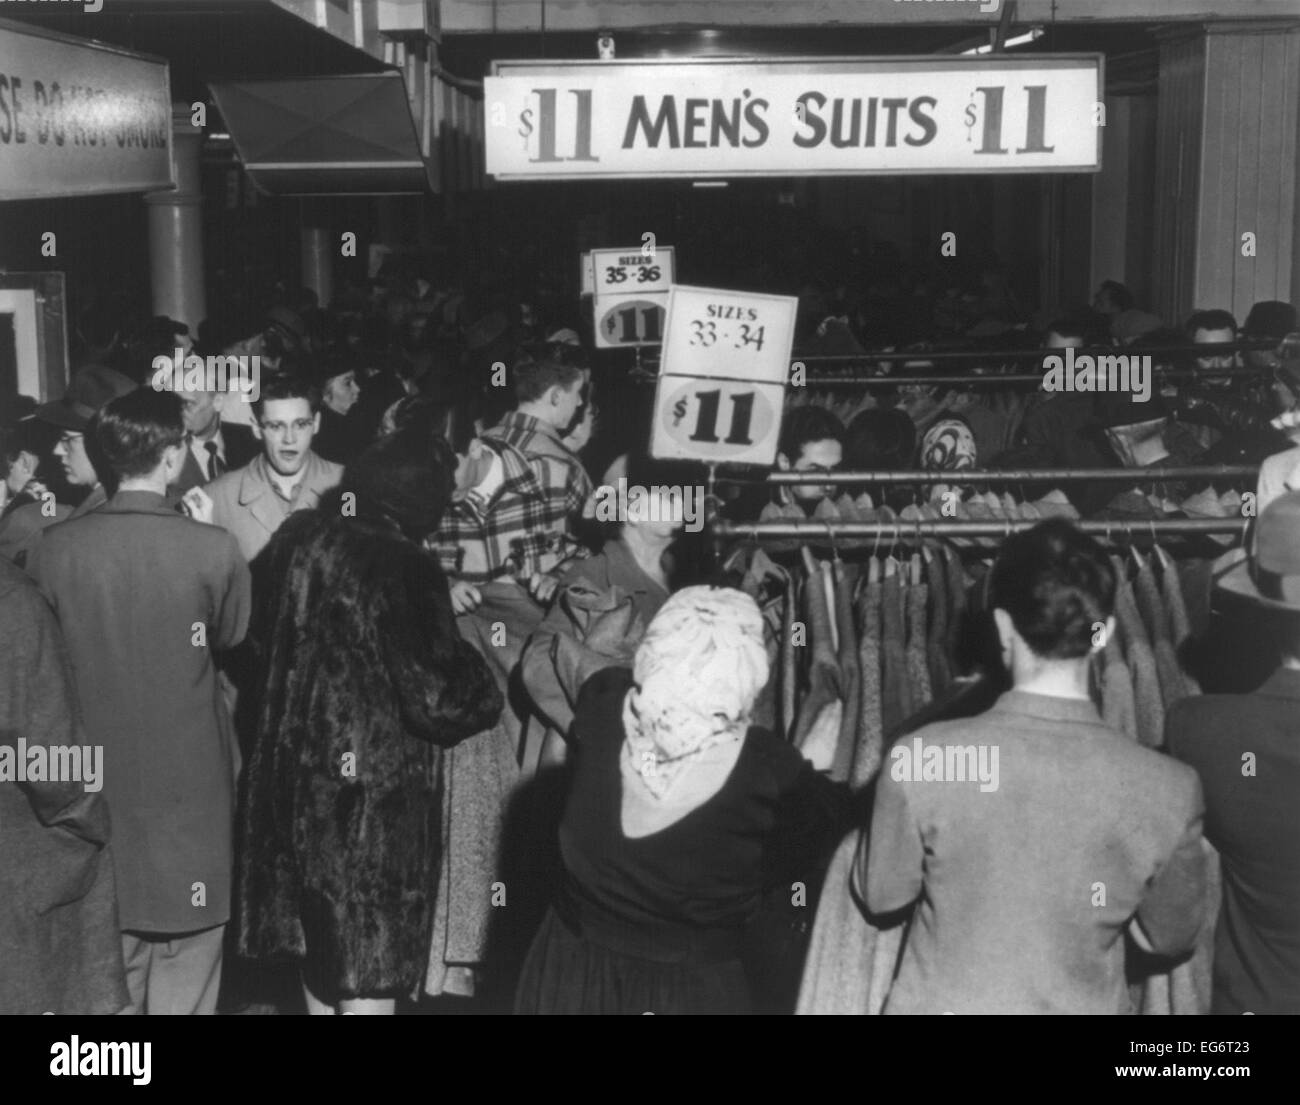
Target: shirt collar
point(624, 568)
point(1048, 707)
point(530, 423)
point(217, 439)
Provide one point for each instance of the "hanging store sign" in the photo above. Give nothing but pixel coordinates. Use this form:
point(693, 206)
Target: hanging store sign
point(631, 289)
point(722, 374)
point(794, 117)
point(80, 118)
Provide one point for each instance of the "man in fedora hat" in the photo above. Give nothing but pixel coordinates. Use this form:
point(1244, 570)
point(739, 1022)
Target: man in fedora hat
point(90, 390)
point(1246, 748)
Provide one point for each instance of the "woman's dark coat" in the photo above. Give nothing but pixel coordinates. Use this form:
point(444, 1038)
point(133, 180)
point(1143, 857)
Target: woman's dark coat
point(367, 680)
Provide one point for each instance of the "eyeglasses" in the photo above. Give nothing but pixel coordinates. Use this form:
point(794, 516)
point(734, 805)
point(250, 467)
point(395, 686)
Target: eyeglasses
point(300, 426)
point(68, 440)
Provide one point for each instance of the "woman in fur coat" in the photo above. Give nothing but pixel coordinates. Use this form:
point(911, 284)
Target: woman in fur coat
point(367, 681)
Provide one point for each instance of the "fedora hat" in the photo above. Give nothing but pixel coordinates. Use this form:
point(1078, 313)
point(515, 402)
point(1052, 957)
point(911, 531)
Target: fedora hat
point(1270, 575)
point(89, 390)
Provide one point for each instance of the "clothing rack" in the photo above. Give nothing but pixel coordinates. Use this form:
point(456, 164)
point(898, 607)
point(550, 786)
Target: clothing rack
point(646, 369)
point(1003, 475)
point(901, 530)
point(1206, 349)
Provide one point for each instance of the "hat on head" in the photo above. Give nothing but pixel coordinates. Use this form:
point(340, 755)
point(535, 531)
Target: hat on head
point(1270, 575)
point(1270, 318)
point(90, 390)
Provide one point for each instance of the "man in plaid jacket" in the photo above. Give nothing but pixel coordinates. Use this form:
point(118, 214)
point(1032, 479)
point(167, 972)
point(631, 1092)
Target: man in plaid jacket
point(514, 524)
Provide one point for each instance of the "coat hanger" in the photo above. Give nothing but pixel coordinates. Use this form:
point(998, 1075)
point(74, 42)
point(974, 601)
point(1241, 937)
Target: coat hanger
point(830, 534)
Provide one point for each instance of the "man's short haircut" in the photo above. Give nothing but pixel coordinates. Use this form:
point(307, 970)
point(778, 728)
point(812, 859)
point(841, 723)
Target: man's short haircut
point(1057, 585)
point(534, 378)
point(1210, 320)
point(806, 424)
point(287, 385)
point(1119, 295)
point(133, 430)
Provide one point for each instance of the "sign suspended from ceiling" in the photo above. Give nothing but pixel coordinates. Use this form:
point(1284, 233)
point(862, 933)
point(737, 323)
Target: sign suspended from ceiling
point(794, 117)
point(80, 118)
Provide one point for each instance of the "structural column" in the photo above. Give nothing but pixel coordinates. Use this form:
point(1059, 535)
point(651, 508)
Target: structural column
point(176, 230)
point(318, 250)
point(1227, 161)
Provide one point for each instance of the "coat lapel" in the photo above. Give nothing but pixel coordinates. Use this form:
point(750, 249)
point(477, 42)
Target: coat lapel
point(255, 493)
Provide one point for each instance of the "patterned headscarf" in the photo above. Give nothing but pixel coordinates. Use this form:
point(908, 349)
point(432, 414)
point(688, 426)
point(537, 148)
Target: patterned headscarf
point(948, 445)
point(698, 671)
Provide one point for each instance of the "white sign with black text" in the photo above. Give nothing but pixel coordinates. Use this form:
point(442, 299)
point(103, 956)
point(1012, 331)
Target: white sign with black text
point(722, 376)
point(631, 290)
point(712, 117)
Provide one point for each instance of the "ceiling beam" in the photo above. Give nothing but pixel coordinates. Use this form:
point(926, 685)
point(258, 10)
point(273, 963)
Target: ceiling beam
point(505, 16)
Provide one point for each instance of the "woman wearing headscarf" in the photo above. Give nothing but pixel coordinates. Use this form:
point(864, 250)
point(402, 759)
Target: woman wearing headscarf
point(680, 812)
point(367, 681)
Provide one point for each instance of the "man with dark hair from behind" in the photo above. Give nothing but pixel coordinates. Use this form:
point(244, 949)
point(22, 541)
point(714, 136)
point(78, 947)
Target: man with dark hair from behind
point(1026, 878)
point(144, 596)
point(1246, 748)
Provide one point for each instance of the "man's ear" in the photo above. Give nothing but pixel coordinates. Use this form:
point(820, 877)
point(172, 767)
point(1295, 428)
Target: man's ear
point(783, 462)
point(315, 423)
point(219, 401)
point(1006, 630)
point(174, 460)
point(1099, 644)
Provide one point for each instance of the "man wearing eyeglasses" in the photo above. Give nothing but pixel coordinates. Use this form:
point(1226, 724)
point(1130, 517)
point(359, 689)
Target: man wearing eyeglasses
point(252, 502)
point(90, 389)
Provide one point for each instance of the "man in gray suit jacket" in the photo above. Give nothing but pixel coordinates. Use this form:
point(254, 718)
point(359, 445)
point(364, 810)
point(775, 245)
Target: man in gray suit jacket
point(1034, 836)
point(144, 596)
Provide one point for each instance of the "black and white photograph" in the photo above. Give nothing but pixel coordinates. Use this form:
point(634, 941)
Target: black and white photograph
point(650, 507)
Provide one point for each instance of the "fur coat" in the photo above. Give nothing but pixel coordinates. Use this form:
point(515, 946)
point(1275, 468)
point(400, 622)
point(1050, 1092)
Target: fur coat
point(366, 681)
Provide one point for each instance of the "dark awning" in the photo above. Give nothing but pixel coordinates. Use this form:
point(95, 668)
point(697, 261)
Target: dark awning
point(325, 135)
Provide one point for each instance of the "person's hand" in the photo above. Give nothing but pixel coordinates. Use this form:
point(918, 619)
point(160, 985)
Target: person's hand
point(465, 597)
point(542, 587)
point(198, 505)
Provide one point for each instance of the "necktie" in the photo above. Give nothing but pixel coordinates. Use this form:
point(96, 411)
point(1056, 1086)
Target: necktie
point(215, 467)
